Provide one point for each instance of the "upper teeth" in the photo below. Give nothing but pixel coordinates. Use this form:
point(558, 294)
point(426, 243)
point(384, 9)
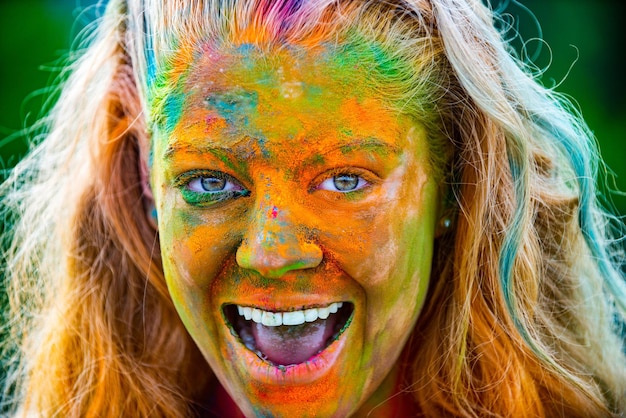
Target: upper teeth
point(274, 319)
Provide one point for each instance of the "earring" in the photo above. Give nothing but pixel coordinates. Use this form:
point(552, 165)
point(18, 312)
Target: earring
point(445, 223)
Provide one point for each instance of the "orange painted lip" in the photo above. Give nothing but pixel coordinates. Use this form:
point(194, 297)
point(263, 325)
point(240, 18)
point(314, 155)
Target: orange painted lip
point(303, 373)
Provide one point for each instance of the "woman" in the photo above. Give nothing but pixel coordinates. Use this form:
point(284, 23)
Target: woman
point(311, 208)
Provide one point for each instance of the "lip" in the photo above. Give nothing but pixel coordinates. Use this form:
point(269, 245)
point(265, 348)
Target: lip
point(303, 373)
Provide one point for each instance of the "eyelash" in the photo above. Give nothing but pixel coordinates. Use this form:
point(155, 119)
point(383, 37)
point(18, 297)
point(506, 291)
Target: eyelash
point(233, 189)
point(363, 177)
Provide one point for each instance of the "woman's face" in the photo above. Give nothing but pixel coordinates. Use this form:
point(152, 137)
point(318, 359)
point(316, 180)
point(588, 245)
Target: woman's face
point(296, 214)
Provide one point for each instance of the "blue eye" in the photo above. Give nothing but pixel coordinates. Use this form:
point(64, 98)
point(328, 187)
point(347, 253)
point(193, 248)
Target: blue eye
point(207, 188)
point(217, 182)
point(343, 183)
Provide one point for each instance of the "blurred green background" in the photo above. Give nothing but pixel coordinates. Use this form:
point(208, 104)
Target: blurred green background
point(35, 37)
point(583, 53)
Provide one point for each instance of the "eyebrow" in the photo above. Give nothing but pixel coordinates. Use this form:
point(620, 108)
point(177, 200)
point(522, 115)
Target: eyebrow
point(224, 154)
point(368, 144)
point(227, 153)
point(177, 147)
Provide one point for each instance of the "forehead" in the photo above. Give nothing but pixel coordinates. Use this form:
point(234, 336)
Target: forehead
point(291, 93)
point(254, 66)
point(289, 78)
point(316, 73)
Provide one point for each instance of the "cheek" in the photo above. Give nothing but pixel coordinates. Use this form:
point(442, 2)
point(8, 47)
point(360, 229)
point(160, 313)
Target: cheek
point(197, 243)
point(194, 251)
point(395, 264)
point(386, 243)
point(396, 276)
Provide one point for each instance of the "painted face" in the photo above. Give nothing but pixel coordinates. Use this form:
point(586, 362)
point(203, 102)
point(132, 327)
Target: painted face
point(296, 217)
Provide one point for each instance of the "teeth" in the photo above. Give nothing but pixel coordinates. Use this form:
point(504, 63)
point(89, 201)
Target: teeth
point(271, 319)
point(310, 315)
point(247, 313)
point(275, 319)
point(293, 318)
point(257, 315)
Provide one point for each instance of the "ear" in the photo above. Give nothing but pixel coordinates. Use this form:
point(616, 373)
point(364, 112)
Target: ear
point(144, 175)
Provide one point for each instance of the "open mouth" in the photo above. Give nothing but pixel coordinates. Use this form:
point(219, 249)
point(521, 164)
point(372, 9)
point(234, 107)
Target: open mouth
point(290, 337)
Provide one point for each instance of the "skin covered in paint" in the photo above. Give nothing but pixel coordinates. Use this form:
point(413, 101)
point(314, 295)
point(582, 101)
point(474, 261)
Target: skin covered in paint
point(275, 134)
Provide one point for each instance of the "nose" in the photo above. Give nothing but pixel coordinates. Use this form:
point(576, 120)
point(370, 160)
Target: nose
point(273, 244)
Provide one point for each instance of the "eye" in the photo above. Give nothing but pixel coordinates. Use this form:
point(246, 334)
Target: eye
point(204, 188)
point(217, 182)
point(343, 183)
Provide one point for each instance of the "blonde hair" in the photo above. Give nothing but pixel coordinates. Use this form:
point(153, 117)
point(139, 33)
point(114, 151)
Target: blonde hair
point(525, 303)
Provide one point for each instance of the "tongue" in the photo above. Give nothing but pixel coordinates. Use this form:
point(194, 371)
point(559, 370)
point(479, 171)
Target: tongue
point(293, 344)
